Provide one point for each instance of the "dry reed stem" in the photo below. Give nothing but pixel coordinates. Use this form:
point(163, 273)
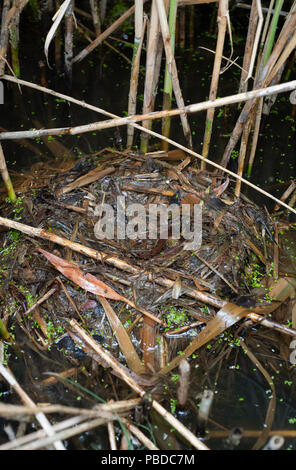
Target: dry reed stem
point(113, 363)
point(243, 86)
point(151, 72)
point(172, 68)
point(193, 108)
point(167, 86)
point(4, 34)
point(139, 435)
point(249, 433)
point(132, 100)
point(222, 25)
point(84, 53)
point(99, 411)
point(40, 416)
point(5, 176)
point(16, 443)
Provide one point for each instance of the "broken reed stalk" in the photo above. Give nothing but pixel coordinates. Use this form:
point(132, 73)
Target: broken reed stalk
point(66, 434)
point(256, 121)
point(184, 382)
point(256, 39)
point(168, 87)
point(3, 52)
point(182, 27)
point(284, 56)
point(14, 35)
point(69, 41)
point(255, 136)
point(116, 366)
point(5, 176)
point(95, 16)
point(243, 86)
point(99, 410)
point(111, 435)
point(4, 34)
point(40, 416)
point(84, 53)
point(17, 444)
point(140, 27)
point(191, 108)
point(222, 25)
point(58, 41)
point(149, 91)
point(139, 435)
point(272, 31)
point(173, 71)
point(242, 153)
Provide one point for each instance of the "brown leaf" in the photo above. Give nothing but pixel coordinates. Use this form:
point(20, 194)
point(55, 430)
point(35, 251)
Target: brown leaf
point(86, 281)
point(126, 346)
point(90, 283)
point(220, 189)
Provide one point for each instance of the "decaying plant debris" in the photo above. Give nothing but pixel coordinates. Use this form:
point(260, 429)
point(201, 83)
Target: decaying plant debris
point(150, 304)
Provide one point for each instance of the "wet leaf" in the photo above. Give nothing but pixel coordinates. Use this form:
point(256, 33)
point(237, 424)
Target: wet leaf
point(56, 22)
point(90, 283)
point(126, 346)
point(220, 189)
point(86, 281)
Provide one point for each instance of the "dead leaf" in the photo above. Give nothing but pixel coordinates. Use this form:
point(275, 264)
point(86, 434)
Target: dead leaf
point(90, 283)
point(220, 189)
point(56, 22)
point(86, 281)
point(125, 344)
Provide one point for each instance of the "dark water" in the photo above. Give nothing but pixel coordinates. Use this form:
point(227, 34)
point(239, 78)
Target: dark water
point(103, 80)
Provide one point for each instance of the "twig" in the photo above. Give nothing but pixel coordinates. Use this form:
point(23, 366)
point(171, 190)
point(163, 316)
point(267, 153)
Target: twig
point(172, 68)
point(40, 301)
point(216, 272)
point(113, 363)
point(103, 35)
point(40, 416)
point(139, 435)
point(66, 434)
point(222, 24)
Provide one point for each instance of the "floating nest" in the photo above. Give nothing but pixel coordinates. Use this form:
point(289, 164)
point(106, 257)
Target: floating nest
point(168, 295)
